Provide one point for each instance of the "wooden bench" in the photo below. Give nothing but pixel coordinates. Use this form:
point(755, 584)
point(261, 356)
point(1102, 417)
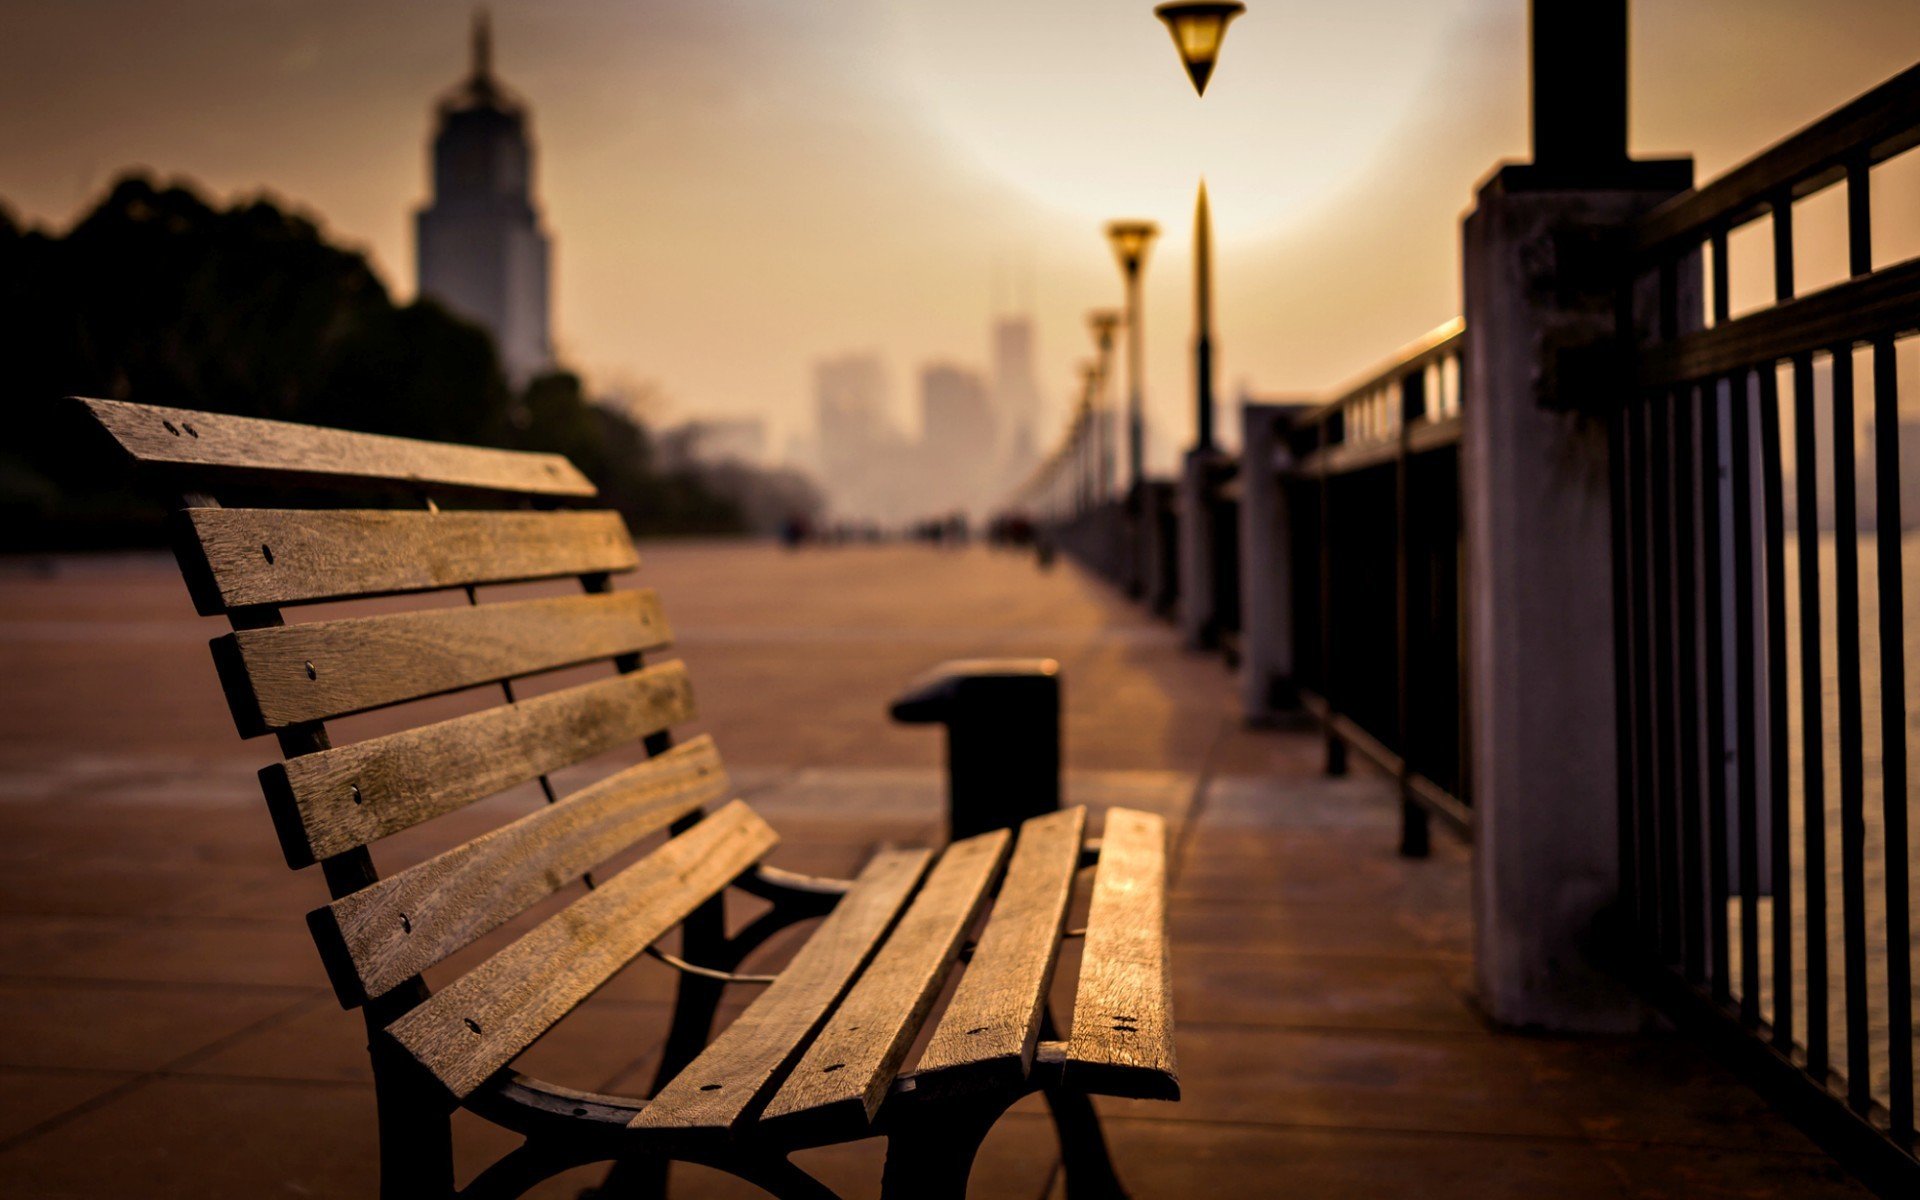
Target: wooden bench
point(819, 1056)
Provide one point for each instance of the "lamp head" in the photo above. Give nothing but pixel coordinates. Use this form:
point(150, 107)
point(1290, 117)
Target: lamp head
point(1130, 241)
point(1103, 321)
point(1198, 27)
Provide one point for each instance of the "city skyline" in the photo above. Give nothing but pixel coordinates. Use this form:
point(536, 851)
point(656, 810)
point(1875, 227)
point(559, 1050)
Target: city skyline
point(706, 169)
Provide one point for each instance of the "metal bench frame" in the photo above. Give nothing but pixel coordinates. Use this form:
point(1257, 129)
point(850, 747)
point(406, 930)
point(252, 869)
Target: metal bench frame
point(1002, 719)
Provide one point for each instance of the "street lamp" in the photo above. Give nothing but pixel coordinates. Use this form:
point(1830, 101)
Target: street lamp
point(1130, 241)
point(1102, 322)
point(1198, 28)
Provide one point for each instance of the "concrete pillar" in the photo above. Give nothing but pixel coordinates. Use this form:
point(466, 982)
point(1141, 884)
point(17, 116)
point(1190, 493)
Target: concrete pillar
point(1266, 563)
point(1541, 265)
point(1194, 612)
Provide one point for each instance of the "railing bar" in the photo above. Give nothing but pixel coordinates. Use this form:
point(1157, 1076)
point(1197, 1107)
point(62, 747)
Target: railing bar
point(1812, 714)
point(1894, 784)
point(1662, 797)
point(1746, 736)
point(1639, 419)
point(1859, 217)
point(1687, 676)
point(1773, 544)
point(1782, 248)
point(1846, 620)
point(1722, 271)
point(1626, 704)
point(1713, 611)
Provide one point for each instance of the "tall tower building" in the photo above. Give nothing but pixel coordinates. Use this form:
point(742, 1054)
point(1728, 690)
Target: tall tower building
point(481, 250)
point(1016, 390)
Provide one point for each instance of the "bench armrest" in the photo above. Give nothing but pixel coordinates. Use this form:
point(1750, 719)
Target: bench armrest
point(1003, 737)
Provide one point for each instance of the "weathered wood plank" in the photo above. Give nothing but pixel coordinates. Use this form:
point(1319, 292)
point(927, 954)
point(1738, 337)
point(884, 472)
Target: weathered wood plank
point(476, 1025)
point(715, 1090)
point(378, 937)
point(340, 799)
point(295, 556)
point(289, 674)
point(253, 450)
point(1122, 1041)
point(845, 1073)
point(985, 1038)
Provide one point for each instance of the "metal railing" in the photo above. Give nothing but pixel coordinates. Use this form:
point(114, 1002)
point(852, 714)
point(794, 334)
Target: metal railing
point(1761, 652)
point(1374, 504)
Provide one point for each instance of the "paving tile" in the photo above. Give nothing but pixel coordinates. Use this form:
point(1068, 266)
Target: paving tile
point(1237, 1162)
point(1671, 1173)
point(274, 953)
point(1255, 985)
point(204, 1139)
point(1435, 1083)
point(1657, 1089)
point(1307, 927)
point(120, 1027)
point(28, 1098)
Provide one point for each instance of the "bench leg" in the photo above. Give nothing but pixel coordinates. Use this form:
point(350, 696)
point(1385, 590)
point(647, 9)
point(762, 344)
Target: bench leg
point(931, 1158)
point(695, 1004)
point(415, 1120)
point(1083, 1144)
point(1083, 1147)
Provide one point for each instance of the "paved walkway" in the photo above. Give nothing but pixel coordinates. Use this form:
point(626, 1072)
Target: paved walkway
point(165, 1029)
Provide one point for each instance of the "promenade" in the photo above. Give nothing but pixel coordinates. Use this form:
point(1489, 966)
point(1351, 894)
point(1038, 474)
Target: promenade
point(166, 1029)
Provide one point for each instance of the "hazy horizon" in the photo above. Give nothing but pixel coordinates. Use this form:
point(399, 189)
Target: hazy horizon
point(739, 188)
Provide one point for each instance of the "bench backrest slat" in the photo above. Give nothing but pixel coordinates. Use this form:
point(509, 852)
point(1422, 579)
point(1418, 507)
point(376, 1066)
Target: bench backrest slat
point(288, 675)
point(475, 1025)
point(336, 800)
point(297, 556)
point(378, 937)
point(228, 449)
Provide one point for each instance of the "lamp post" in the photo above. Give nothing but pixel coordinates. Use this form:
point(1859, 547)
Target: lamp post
point(1198, 28)
point(1087, 437)
point(1130, 241)
point(1102, 322)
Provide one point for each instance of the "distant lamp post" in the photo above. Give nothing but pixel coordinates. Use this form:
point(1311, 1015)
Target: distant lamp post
point(1102, 322)
point(1087, 435)
point(1130, 242)
point(1198, 28)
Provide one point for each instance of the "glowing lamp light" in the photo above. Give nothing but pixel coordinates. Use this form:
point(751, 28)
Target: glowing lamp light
point(1198, 28)
point(1130, 241)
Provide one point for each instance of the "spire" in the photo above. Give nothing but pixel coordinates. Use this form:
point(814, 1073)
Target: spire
point(482, 46)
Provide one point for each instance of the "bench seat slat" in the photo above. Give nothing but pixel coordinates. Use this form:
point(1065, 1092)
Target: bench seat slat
point(336, 800)
point(378, 937)
point(986, 1037)
point(845, 1073)
point(255, 450)
point(715, 1090)
point(285, 675)
point(1122, 1043)
point(297, 556)
point(475, 1025)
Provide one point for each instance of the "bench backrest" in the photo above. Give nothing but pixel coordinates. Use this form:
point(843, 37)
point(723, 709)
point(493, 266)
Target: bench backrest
point(259, 566)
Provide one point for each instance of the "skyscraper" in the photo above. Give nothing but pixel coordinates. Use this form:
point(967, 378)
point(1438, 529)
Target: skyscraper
point(481, 250)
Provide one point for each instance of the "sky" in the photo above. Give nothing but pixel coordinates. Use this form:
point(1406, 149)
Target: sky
point(739, 188)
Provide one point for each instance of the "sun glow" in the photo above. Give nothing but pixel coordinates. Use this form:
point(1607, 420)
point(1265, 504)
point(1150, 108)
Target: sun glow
point(1086, 112)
